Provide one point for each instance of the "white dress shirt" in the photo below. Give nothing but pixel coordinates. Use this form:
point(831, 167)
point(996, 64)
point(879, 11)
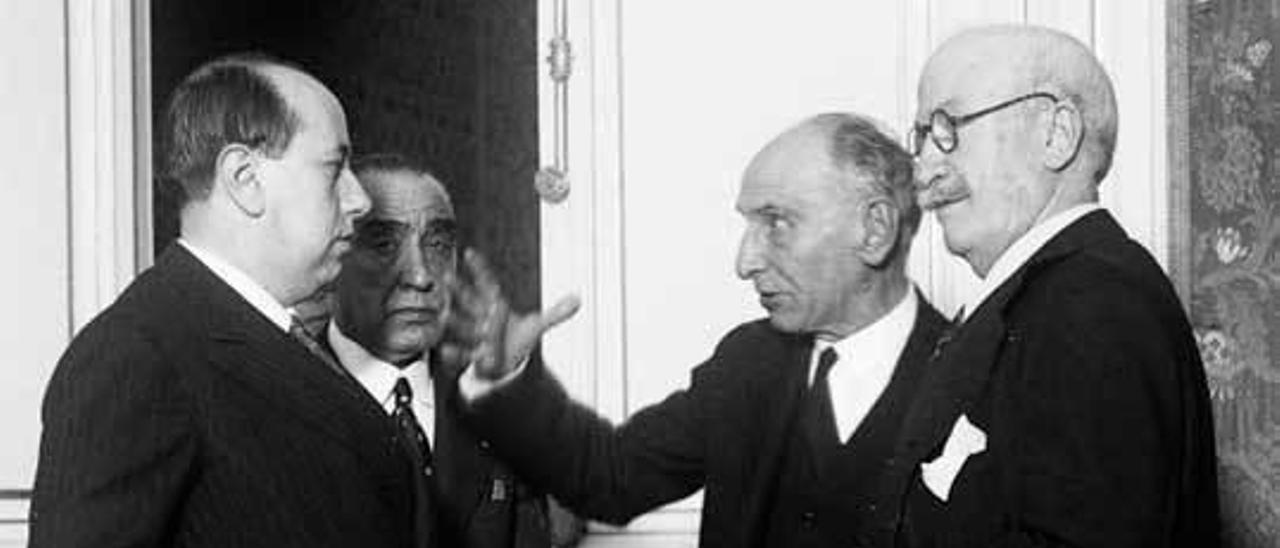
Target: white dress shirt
point(866, 363)
point(379, 379)
point(1021, 250)
point(250, 290)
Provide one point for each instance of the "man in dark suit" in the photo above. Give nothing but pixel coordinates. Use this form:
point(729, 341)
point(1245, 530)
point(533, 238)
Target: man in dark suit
point(791, 449)
point(189, 413)
point(391, 300)
point(1070, 409)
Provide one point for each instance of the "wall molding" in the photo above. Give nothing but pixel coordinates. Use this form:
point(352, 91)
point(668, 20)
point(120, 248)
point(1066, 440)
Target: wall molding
point(582, 235)
point(101, 107)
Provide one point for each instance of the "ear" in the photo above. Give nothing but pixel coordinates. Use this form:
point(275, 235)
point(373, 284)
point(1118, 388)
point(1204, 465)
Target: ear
point(879, 232)
point(1066, 133)
point(237, 170)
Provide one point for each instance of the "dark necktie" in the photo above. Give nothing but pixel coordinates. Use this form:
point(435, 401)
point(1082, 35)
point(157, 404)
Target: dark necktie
point(415, 443)
point(300, 334)
point(820, 419)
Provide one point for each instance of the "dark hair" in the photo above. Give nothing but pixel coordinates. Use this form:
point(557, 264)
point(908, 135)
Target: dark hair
point(387, 162)
point(225, 101)
point(858, 145)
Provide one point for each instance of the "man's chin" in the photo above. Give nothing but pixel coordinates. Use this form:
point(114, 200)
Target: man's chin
point(412, 348)
point(783, 322)
point(415, 338)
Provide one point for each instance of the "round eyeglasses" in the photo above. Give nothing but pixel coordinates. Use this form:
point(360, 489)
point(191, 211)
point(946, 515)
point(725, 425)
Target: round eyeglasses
point(942, 125)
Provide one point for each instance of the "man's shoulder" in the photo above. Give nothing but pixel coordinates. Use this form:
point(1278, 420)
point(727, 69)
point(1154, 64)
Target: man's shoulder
point(1093, 259)
point(155, 311)
point(1099, 272)
point(753, 346)
point(756, 336)
point(1108, 294)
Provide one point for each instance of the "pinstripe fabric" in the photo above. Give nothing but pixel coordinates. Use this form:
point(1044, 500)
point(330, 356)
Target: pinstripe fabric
point(182, 417)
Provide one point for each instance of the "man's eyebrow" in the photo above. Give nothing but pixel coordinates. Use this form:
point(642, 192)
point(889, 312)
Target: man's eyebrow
point(769, 209)
point(379, 225)
point(437, 226)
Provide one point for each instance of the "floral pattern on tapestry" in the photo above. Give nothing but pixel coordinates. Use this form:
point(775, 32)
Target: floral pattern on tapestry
point(1234, 141)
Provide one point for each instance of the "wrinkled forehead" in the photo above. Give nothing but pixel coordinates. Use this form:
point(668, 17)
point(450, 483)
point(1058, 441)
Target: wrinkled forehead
point(408, 197)
point(793, 172)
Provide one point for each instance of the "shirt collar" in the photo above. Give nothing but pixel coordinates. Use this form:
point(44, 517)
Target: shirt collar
point(877, 344)
point(377, 376)
point(1021, 251)
point(244, 285)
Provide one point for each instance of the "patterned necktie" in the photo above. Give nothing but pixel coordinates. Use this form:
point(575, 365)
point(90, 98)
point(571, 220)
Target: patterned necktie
point(407, 426)
point(819, 419)
point(300, 334)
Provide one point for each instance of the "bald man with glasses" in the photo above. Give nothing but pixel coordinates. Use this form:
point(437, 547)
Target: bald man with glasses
point(1070, 408)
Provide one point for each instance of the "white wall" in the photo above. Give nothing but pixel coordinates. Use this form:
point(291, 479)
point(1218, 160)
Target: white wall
point(34, 284)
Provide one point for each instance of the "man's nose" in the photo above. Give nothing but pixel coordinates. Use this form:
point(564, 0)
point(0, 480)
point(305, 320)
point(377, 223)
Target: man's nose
point(750, 254)
point(414, 270)
point(352, 197)
point(928, 168)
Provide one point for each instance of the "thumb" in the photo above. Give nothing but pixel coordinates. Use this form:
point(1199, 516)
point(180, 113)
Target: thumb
point(564, 309)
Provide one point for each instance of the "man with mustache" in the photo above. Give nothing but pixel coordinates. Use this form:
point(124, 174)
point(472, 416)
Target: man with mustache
point(194, 411)
point(789, 425)
point(1070, 409)
point(391, 301)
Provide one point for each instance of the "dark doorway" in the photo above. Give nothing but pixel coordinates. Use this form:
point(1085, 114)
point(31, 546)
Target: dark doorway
point(452, 83)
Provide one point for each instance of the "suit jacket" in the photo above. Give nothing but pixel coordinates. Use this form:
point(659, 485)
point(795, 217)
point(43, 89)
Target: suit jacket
point(477, 501)
point(181, 416)
point(728, 432)
point(1082, 371)
point(482, 502)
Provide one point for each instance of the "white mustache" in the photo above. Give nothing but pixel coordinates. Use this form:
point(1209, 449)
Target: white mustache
point(937, 186)
point(939, 195)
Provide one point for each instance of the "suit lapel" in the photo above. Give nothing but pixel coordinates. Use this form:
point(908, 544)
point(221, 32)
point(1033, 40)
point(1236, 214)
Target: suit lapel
point(958, 373)
point(246, 346)
point(460, 465)
point(963, 364)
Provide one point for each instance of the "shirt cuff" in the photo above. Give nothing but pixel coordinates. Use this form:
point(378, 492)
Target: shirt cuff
point(472, 387)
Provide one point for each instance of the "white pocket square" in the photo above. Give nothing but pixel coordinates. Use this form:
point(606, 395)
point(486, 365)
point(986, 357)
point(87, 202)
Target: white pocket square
point(965, 440)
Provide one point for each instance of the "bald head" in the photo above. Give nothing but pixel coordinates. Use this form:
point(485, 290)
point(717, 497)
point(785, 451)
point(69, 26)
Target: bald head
point(1015, 124)
point(232, 99)
point(830, 214)
point(1015, 59)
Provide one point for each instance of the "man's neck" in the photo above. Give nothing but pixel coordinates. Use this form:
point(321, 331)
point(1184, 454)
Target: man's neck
point(1068, 193)
point(241, 251)
point(882, 295)
point(399, 361)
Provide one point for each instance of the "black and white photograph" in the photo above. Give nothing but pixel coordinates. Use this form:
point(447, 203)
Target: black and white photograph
point(640, 273)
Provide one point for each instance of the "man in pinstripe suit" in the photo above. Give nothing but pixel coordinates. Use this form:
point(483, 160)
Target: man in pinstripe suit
point(192, 412)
